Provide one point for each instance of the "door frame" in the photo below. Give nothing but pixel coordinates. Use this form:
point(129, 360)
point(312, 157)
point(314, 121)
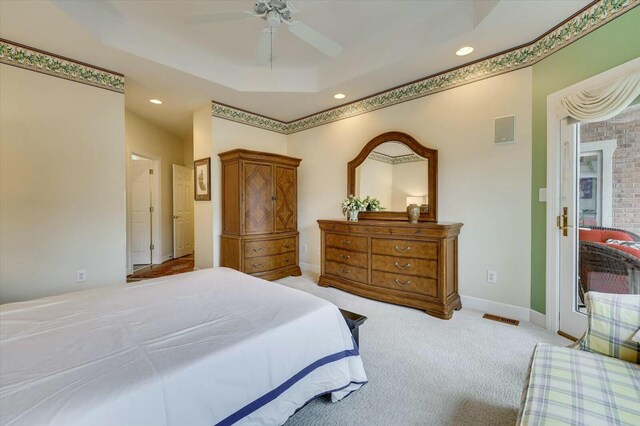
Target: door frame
point(555, 113)
point(156, 202)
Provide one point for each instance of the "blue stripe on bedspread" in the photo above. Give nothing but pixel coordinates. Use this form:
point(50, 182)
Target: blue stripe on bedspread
point(273, 394)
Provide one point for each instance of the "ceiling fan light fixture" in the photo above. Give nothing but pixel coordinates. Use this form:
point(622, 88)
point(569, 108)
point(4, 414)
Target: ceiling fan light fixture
point(339, 96)
point(155, 101)
point(463, 51)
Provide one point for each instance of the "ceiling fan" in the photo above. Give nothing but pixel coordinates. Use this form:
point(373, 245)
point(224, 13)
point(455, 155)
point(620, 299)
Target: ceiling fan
point(274, 12)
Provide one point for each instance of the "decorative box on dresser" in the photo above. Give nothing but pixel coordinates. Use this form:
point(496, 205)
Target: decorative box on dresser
point(393, 261)
point(259, 213)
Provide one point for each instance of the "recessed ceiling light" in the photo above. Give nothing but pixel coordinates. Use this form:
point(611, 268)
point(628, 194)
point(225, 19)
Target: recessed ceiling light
point(339, 96)
point(155, 101)
point(464, 51)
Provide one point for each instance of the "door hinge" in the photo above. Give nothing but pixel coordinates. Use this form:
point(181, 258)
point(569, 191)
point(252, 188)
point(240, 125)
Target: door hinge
point(151, 209)
point(150, 171)
point(152, 247)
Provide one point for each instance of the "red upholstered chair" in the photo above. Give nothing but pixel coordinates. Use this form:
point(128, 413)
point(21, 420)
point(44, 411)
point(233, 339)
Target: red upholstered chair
point(608, 268)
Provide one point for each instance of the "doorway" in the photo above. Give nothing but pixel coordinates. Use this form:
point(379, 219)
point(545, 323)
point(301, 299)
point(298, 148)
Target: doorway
point(592, 234)
point(182, 211)
point(143, 211)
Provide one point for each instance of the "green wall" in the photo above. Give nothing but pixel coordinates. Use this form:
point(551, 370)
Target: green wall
point(613, 44)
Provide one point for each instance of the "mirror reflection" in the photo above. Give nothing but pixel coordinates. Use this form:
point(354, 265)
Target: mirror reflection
point(395, 175)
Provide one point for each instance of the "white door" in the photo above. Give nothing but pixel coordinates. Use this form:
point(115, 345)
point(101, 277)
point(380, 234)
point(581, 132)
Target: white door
point(573, 320)
point(140, 211)
point(182, 211)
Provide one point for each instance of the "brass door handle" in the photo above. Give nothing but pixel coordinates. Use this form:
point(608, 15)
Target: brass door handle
point(175, 217)
point(408, 265)
point(345, 257)
point(345, 242)
point(402, 283)
point(404, 250)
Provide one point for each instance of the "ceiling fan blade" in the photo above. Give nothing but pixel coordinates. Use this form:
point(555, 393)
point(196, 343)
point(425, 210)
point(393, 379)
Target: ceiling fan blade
point(315, 39)
point(208, 18)
point(263, 55)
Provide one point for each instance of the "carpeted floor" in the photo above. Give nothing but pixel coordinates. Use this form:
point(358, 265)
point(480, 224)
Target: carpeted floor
point(425, 371)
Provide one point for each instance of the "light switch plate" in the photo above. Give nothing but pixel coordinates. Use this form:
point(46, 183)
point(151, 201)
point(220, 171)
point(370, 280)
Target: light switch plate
point(542, 195)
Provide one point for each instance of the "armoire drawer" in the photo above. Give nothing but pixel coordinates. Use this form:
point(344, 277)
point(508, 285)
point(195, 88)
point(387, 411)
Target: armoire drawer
point(405, 265)
point(268, 247)
point(268, 263)
point(347, 242)
point(345, 256)
point(419, 249)
point(413, 284)
point(352, 273)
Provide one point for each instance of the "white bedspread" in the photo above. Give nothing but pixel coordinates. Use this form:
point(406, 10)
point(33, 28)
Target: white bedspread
point(204, 348)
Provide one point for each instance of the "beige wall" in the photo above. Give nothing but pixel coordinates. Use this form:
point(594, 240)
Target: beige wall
point(145, 139)
point(487, 187)
point(62, 185)
point(203, 210)
point(409, 180)
point(375, 179)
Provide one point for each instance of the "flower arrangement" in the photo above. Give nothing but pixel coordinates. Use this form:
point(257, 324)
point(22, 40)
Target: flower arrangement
point(372, 204)
point(352, 205)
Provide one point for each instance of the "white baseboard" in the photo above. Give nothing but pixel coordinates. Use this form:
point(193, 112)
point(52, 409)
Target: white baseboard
point(309, 267)
point(504, 310)
point(538, 319)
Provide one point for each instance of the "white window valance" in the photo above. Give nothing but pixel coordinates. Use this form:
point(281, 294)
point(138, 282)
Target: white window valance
point(605, 101)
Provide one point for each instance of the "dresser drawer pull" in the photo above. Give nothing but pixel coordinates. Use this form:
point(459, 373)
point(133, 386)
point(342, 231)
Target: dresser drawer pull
point(286, 246)
point(345, 242)
point(404, 250)
point(285, 260)
point(345, 271)
point(408, 265)
point(402, 283)
point(255, 250)
point(256, 266)
point(345, 257)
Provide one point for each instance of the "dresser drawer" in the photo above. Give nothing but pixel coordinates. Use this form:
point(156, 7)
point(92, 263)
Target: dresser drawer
point(345, 256)
point(347, 242)
point(268, 247)
point(352, 273)
point(268, 263)
point(419, 249)
point(413, 284)
point(405, 265)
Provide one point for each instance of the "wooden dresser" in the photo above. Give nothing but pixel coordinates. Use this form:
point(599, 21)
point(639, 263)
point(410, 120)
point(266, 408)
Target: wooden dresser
point(394, 261)
point(259, 213)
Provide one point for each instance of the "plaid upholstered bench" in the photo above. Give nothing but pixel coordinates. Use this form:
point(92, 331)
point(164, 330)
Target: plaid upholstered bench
point(597, 380)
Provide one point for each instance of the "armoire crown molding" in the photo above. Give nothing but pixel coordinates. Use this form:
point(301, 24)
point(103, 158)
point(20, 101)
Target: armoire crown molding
point(590, 18)
point(33, 59)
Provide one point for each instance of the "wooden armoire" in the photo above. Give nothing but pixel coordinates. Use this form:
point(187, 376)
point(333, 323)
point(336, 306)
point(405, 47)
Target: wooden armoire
point(259, 213)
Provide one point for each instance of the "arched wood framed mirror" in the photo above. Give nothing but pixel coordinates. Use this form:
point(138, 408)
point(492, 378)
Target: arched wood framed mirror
point(397, 170)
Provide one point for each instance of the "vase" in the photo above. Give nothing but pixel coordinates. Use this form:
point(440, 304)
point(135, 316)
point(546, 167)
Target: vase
point(413, 211)
point(353, 215)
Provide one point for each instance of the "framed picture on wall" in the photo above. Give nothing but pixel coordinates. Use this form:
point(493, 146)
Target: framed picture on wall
point(202, 179)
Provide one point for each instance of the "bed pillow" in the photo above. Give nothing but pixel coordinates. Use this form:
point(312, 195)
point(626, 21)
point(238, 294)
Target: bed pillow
point(614, 320)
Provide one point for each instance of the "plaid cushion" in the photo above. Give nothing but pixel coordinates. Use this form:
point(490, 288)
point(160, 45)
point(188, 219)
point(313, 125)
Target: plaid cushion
point(613, 321)
point(565, 386)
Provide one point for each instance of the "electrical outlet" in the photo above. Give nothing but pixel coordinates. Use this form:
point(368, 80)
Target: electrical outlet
point(492, 277)
point(81, 275)
point(306, 249)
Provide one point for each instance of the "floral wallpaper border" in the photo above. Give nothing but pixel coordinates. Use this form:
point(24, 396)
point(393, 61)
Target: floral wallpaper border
point(401, 159)
point(576, 27)
point(34, 60)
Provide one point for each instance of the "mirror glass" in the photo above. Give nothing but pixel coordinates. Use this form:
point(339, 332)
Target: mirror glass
point(395, 175)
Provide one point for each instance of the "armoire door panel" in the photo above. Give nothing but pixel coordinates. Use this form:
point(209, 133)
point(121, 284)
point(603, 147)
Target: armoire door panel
point(258, 203)
point(285, 206)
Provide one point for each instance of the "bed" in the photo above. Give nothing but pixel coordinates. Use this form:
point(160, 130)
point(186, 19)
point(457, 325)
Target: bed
point(208, 347)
